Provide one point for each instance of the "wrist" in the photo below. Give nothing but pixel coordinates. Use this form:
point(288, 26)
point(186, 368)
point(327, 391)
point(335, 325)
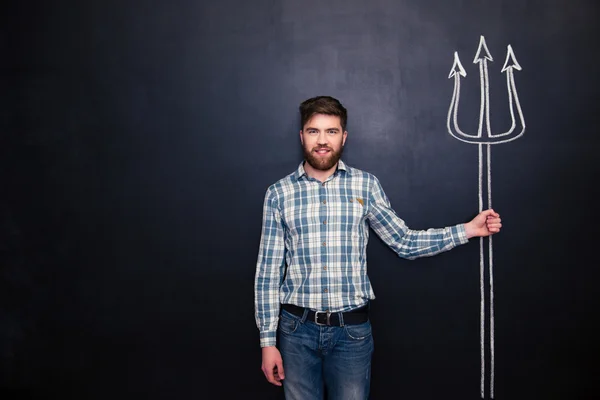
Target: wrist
point(469, 230)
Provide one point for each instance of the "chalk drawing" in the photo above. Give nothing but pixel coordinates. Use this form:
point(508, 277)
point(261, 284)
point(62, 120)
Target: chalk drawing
point(482, 56)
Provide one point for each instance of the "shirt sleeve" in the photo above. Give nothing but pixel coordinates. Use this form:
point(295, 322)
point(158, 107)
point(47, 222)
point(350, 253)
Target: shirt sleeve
point(269, 266)
point(408, 243)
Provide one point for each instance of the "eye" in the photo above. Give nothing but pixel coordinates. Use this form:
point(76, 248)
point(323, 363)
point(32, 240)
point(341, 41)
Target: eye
point(332, 132)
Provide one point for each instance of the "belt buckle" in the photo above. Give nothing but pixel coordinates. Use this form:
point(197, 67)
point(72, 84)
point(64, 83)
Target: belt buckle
point(328, 313)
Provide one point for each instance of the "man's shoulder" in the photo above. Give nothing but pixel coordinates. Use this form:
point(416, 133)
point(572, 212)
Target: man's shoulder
point(283, 185)
point(287, 180)
point(357, 173)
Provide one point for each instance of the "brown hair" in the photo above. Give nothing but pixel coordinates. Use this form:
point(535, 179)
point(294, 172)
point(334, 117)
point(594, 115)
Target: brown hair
point(322, 105)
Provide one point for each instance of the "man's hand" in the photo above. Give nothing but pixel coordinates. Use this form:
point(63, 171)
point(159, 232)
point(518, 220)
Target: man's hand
point(486, 223)
point(272, 365)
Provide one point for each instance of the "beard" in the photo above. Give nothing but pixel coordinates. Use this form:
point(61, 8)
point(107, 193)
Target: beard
point(322, 163)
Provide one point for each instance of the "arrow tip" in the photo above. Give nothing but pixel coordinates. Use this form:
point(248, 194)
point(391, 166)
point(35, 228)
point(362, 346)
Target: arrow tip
point(482, 48)
point(511, 60)
point(457, 67)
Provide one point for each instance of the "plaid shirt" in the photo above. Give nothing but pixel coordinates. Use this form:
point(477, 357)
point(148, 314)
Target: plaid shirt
point(313, 246)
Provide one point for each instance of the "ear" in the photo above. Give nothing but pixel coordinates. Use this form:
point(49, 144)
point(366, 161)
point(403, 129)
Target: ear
point(301, 137)
point(344, 137)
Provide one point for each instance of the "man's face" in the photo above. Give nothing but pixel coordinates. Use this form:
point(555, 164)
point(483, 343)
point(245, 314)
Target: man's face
point(323, 141)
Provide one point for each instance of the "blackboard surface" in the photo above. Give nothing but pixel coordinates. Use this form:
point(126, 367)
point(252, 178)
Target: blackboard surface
point(138, 139)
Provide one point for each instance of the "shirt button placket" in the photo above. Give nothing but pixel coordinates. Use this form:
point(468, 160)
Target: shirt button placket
point(323, 214)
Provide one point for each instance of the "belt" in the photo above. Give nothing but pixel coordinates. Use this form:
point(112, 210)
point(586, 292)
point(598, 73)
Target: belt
point(352, 317)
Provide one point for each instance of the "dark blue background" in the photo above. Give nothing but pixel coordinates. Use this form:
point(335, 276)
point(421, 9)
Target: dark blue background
point(138, 139)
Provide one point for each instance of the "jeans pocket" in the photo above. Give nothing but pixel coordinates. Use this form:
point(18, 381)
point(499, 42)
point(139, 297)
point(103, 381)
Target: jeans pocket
point(288, 323)
point(358, 331)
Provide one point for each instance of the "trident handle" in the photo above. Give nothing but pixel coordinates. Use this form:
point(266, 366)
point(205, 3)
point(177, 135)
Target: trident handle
point(485, 142)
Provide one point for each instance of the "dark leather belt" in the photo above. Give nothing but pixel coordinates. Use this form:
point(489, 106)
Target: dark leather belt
point(352, 317)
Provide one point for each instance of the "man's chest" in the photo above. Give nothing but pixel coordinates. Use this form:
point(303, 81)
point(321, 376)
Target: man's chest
point(325, 210)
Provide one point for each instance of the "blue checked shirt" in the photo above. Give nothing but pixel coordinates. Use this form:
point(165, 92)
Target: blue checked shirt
point(313, 246)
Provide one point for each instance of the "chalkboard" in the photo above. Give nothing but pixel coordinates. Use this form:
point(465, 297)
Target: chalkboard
point(138, 139)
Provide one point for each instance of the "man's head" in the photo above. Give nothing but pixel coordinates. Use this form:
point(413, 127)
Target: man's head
point(323, 132)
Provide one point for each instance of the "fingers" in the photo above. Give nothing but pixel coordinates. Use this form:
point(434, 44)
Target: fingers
point(490, 213)
point(486, 223)
point(493, 229)
point(279, 373)
point(485, 216)
point(273, 373)
point(493, 223)
point(269, 374)
point(272, 365)
point(268, 371)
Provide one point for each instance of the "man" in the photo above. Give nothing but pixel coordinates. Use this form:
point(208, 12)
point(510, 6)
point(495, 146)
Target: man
point(311, 287)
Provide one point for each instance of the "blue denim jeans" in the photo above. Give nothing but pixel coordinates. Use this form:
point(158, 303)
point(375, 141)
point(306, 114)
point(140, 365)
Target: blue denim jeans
point(325, 359)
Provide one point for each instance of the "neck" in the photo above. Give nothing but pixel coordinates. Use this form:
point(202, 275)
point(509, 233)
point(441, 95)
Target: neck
point(317, 173)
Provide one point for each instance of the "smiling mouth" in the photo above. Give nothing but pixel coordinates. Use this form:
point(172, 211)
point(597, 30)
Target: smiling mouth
point(322, 151)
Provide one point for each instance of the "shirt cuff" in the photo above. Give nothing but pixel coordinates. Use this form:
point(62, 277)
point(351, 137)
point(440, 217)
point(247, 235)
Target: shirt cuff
point(268, 338)
point(459, 234)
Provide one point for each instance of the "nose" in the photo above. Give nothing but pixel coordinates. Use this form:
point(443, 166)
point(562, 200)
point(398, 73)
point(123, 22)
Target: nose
point(322, 139)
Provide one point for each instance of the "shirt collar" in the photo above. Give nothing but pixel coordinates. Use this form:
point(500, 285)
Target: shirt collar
point(300, 172)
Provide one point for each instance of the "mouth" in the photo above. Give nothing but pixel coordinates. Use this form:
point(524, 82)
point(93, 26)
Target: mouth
point(322, 151)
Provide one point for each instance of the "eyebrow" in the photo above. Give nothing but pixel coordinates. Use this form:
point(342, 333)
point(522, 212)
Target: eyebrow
point(328, 129)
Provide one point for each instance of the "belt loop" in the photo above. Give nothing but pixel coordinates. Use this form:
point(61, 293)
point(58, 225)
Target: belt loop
point(341, 317)
point(304, 315)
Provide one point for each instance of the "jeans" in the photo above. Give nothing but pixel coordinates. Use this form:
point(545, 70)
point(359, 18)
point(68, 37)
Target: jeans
point(319, 360)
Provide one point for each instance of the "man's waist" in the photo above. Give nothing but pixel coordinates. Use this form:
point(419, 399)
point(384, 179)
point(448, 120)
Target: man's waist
point(354, 316)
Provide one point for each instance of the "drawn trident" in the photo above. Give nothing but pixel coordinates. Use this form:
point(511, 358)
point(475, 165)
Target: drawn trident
point(516, 130)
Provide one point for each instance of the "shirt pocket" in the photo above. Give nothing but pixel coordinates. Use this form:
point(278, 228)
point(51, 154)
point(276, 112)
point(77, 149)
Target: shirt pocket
point(352, 214)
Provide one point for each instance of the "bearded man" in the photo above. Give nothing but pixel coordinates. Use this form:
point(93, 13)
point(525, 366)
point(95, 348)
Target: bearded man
point(311, 287)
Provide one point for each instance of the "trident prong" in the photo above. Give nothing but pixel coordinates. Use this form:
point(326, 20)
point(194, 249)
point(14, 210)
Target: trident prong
point(482, 57)
point(516, 130)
